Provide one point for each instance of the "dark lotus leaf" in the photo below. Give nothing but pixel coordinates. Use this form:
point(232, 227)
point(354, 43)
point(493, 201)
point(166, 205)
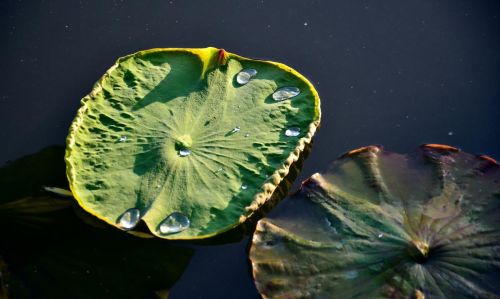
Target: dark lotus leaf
point(384, 225)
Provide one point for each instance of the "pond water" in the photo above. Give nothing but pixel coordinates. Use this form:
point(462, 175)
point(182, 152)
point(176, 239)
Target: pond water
point(395, 73)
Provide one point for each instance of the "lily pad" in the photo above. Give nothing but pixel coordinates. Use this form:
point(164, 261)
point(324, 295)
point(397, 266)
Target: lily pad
point(173, 137)
point(384, 225)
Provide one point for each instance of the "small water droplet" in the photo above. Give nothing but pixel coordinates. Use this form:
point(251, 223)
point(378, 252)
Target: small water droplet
point(380, 235)
point(351, 274)
point(245, 75)
point(292, 132)
point(123, 139)
point(244, 187)
point(174, 223)
point(235, 130)
point(184, 152)
point(285, 93)
point(129, 219)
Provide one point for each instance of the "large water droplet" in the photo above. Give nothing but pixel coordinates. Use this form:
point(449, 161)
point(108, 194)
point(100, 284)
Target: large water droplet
point(184, 152)
point(292, 132)
point(129, 219)
point(285, 93)
point(174, 223)
point(245, 75)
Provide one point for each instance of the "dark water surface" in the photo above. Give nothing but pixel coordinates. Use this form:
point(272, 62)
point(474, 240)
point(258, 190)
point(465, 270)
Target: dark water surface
point(396, 73)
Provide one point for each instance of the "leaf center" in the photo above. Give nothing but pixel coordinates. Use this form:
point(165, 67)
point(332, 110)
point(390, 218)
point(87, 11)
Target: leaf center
point(183, 142)
point(418, 251)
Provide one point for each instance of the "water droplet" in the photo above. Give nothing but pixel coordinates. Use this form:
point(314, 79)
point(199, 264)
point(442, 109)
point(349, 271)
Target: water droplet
point(244, 187)
point(292, 132)
point(174, 223)
point(123, 139)
point(184, 152)
point(246, 135)
point(380, 235)
point(245, 75)
point(285, 93)
point(235, 130)
point(129, 219)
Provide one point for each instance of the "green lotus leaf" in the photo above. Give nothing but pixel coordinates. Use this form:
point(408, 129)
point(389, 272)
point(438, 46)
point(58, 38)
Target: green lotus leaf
point(191, 141)
point(384, 225)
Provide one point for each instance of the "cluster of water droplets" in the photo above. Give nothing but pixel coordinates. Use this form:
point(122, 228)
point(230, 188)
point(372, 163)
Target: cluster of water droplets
point(281, 94)
point(177, 222)
point(174, 223)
